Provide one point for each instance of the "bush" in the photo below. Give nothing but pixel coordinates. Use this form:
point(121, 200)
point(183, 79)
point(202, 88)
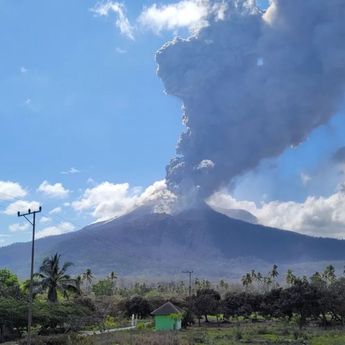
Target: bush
point(110, 322)
point(48, 340)
point(103, 287)
point(187, 319)
point(62, 339)
point(144, 325)
point(61, 315)
point(137, 306)
point(155, 302)
point(141, 326)
point(238, 334)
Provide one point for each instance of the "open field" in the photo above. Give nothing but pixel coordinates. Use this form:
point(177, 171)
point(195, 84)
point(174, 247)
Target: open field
point(251, 334)
point(237, 334)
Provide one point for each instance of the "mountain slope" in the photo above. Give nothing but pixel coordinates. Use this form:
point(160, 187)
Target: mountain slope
point(144, 243)
point(238, 214)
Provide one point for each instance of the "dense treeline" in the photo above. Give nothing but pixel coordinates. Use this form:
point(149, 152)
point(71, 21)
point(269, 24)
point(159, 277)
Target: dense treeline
point(65, 304)
point(319, 299)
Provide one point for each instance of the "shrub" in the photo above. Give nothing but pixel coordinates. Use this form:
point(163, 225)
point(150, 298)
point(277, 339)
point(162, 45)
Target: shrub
point(48, 340)
point(238, 334)
point(137, 306)
point(141, 326)
point(62, 339)
point(110, 322)
point(61, 315)
point(263, 330)
point(187, 319)
point(103, 287)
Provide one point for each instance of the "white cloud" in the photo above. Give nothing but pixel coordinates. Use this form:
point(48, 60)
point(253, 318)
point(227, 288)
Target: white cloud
point(4, 239)
point(56, 190)
point(317, 216)
point(62, 228)
point(108, 200)
point(11, 190)
point(121, 51)
point(205, 165)
point(190, 14)
point(122, 22)
point(55, 210)
point(17, 227)
point(90, 180)
point(44, 220)
point(21, 206)
point(23, 70)
point(305, 178)
point(71, 171)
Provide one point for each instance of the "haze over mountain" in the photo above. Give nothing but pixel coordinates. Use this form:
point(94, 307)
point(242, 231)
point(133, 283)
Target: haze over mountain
point(148, 244)
point(237, 214)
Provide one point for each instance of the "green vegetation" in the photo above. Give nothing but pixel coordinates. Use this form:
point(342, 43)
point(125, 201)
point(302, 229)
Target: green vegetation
point(261, 310)
point(241, 333)
point(53, 278)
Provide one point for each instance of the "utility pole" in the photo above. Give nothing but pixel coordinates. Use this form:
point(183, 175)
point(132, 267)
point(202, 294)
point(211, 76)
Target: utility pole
point(33, 223)
point(190, 282)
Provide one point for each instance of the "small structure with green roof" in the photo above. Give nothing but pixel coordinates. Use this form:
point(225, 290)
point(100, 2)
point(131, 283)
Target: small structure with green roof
point(167, 317)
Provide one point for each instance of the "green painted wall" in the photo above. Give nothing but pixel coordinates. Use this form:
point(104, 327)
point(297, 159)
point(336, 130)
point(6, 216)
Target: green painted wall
point(166, 323)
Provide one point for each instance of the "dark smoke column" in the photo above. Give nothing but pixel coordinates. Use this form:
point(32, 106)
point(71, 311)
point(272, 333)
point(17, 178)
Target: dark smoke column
point(252, 85)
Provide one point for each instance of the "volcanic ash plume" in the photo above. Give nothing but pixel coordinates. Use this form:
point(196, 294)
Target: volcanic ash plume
point(252, 84)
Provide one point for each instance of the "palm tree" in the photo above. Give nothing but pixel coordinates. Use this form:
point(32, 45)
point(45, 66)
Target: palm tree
point(113, 277)
point(274, 272)
point(329, 274)
point(78, 282)
point(259, 277)
point(88, 276)
point(253, 274)
point(247, 280)
point(290, 278)
point(53, 277)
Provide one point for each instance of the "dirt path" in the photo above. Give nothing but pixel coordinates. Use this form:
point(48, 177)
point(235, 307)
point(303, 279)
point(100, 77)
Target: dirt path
point(87, 333)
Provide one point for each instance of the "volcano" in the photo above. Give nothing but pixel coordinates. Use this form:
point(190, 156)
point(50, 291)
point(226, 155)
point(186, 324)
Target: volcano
point(147, 244)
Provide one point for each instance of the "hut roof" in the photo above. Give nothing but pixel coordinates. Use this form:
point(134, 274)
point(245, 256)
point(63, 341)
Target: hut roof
point(167, 309)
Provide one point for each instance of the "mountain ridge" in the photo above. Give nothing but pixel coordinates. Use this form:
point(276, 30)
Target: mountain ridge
point(154, 244)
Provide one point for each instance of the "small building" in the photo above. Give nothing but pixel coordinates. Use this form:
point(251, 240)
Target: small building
point(167, 317)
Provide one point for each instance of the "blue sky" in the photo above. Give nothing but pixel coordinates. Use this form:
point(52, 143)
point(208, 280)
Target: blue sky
point(81, 105)
point(76, 93)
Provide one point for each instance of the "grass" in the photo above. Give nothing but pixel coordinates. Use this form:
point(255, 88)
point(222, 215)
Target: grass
point(233, 334)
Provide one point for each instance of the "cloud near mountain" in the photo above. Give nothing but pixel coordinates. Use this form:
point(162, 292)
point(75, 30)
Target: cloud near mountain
point(317, 216)
point(108, 200)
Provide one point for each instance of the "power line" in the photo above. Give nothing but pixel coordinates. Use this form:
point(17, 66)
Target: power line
point(190, 282)
point(93, 236)
point(33, 223)
point(9, 200)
